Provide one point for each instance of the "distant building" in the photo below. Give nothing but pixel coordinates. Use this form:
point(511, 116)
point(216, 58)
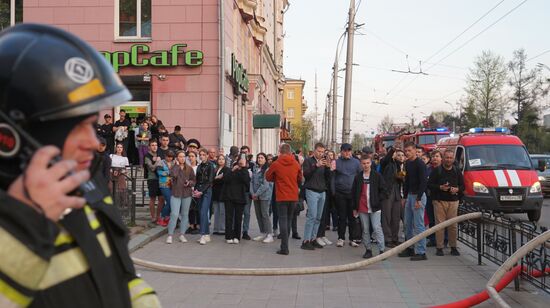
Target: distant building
point(294, 105)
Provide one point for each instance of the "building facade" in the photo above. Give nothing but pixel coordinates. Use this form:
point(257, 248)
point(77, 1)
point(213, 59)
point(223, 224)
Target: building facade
point(294, 104)
point(210, 66)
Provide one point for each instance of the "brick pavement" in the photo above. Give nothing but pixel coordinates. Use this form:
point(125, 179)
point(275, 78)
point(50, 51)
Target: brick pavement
point(395, 282)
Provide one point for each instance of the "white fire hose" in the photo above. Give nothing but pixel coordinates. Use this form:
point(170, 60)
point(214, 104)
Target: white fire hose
point(303, 270)
point(510, 262)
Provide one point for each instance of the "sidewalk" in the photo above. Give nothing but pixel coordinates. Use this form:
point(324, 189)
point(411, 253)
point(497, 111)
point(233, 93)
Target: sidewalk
point(395, 282)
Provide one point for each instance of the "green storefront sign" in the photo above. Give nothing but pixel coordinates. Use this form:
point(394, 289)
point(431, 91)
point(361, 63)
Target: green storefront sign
point(239, 76)
point(138, 57)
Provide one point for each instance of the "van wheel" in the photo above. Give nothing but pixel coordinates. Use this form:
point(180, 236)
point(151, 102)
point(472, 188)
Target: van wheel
point(534, 215)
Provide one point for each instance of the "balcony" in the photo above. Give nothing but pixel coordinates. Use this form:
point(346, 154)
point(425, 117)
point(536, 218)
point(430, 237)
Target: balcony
point(247, 8)
point(258, 31)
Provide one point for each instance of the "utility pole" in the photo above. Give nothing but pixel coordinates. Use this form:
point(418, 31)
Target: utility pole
point(349, 68)
point(329, 120)
point(315, 133)
point(334, 123)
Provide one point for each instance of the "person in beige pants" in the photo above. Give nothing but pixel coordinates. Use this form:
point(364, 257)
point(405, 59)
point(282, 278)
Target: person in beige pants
point(446, 185)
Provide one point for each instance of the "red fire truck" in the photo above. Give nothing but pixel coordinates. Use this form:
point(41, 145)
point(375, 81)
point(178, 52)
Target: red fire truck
point(498, 173)
point(383, 141)
point(427, 138)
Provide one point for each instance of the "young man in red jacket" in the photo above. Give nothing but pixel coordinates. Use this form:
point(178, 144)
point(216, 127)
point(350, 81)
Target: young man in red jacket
point(286, 173)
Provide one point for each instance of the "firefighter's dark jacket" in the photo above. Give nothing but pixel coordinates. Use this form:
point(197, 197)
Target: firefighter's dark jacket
point(81, 261)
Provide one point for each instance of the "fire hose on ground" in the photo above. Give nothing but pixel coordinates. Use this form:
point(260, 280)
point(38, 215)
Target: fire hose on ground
point(499, 281)
point(303, 270)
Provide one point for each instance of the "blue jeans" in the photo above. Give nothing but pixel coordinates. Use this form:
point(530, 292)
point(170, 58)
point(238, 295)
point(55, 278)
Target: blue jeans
point(179, 208)
point(374, 219)
point(414, 222)
point(219, 216)
point(204, 208)
point(315, 204)
point(246, 219)
point(166, 193)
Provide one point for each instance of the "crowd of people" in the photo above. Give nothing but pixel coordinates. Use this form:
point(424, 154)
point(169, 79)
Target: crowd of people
point(366, 194)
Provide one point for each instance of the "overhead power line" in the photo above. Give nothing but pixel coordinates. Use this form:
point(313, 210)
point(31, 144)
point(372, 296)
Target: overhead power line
point(481, 32)
point(539, 55)
point(450, 42)
point(466, 43)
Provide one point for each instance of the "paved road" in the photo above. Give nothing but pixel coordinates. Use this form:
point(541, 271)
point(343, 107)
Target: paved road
point(545, 215)
point(394, 282)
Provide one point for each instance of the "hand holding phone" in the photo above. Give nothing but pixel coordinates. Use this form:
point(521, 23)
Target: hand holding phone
point(47, 188)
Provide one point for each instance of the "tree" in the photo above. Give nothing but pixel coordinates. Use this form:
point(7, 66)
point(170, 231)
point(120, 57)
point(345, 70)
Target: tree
point(528, 89)
point(302, 135)
point(484, 88)
point(386, 124)
point(358, 141)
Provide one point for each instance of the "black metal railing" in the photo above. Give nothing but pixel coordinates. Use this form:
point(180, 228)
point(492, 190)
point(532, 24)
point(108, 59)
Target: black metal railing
point(496, 237)
point(129, 190)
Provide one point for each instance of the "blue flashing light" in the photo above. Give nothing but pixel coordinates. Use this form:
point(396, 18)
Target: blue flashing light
point(502, 130)
point(442, 129)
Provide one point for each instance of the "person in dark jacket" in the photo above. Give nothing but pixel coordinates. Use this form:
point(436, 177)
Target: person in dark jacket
point(103, 160)
point(236, 184)
point(446, 186)
point(177, 140)
point(393, 171)
point(217, 188)
point(368, 192)
point(414, 191)
point(345, 169)
point(106, 131)
point(316, 172)
point(63, 242)
point(203, 191)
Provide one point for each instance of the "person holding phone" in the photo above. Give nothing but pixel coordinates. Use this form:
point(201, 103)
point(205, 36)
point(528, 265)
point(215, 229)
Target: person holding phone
point(446, 185)
point(183, 179)
point(217, 202)
point(316, 173)
point(56, 209)
point(236, 186)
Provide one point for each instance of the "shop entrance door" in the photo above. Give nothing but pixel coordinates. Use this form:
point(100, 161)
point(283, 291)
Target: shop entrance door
point(136, 110)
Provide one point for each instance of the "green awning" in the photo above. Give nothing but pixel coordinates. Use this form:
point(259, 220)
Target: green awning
point(266, 121)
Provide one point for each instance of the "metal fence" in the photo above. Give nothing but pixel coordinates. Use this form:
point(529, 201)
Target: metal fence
point(129, 190)
point(495, 238)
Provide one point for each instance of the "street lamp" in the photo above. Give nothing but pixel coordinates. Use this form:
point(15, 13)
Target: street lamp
point(335, 71)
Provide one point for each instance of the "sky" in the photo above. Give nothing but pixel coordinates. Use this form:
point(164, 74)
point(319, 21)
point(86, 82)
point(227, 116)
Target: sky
point(421, 29)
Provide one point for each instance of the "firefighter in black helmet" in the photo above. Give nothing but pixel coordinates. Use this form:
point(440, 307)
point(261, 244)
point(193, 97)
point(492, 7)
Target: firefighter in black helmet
point(62, 242)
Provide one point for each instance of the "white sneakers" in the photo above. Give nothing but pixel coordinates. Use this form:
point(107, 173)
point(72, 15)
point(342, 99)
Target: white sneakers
point(204, 239)
point(353, 244)
point(269, 239)
point(259, 238)
point(169, 239)
point(321, 242)
point(340, 243)
point(325, 239)
point(230, 242)
point(235, 241)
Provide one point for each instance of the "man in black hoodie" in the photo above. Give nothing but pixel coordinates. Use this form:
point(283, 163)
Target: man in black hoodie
point(415, 202)
point(393, 172)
